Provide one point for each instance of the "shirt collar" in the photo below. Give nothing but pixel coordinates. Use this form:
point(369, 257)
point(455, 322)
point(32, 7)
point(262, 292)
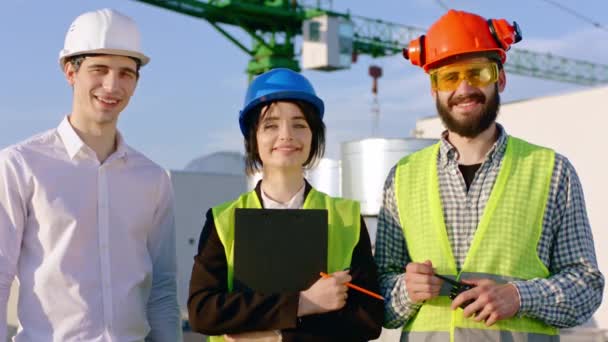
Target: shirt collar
point(295, 202)
point(71, 140)
point(447, 151)
point(73, 144)
point(122, 149)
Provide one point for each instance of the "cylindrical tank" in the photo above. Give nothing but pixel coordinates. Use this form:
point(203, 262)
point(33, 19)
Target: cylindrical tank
point(326, 177)
point(367, 162)
point(252, 180)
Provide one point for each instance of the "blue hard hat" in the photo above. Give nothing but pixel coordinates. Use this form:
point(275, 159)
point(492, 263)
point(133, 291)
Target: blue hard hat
point(278, 84)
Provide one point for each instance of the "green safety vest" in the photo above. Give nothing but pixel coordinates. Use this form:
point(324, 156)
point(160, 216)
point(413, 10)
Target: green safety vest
point(343, 227)
point(504, 246)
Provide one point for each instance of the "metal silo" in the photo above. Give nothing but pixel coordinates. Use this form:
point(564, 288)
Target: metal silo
point(365, 165)
point(326, 177)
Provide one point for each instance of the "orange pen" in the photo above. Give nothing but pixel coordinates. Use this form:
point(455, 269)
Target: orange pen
point(355, 287)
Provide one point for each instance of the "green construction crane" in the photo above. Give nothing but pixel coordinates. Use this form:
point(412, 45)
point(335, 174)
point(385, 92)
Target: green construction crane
point(274, 24)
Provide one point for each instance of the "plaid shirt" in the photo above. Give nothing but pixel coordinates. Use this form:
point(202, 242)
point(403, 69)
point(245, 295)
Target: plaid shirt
point(567, 298)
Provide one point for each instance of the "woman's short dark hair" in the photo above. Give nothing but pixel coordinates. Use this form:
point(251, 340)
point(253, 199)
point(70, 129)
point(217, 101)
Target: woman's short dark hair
point(253, 163)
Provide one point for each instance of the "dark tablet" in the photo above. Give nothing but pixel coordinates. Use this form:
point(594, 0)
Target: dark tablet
point(279, 250)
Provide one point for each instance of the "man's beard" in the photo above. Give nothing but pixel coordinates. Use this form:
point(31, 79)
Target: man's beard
point(470, 127)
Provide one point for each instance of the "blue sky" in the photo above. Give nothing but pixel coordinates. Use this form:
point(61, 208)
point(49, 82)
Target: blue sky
point(187, 102)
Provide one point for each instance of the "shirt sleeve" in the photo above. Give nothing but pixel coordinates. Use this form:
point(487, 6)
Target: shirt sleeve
point(163, 308)
point(13, 213)
point(391, 258)
point(212, 310)
point(574, 289)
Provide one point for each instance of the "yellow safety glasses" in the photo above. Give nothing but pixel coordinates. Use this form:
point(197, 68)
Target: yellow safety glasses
point(478, 74)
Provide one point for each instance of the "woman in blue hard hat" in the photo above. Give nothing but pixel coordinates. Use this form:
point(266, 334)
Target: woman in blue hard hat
point(284, 134)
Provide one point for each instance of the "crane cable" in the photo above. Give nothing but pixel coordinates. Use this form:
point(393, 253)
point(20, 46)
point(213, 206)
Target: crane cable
point(556, 4)
point(576, 14)
point(442, 5)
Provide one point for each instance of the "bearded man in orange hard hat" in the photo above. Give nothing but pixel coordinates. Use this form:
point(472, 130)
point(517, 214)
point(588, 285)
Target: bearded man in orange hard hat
point(86, 221)
point(482, 236)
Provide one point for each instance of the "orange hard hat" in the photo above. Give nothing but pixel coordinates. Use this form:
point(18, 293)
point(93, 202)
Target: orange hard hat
point(459, 32)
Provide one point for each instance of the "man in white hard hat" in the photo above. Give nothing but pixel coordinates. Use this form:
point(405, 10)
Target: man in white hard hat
point(86, 222)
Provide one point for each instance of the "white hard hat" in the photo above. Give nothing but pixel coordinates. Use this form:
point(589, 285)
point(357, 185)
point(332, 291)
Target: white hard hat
point(104, 31)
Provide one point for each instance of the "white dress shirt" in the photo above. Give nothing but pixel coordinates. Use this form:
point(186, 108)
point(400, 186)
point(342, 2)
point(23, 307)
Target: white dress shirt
point(296, 201)
point(92, 245)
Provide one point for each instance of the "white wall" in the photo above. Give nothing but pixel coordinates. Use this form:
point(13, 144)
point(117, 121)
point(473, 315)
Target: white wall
point(575, 125)
point(195, 193)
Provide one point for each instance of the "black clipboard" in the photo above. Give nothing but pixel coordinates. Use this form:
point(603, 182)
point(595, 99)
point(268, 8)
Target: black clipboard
point(279, 250)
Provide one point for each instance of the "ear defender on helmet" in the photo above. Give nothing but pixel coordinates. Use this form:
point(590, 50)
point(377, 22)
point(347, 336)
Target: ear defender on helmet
point(461, 33)
point(415, 51)
point(504, 34)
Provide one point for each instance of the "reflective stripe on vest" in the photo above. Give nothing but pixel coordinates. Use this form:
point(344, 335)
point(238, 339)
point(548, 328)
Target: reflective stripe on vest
point(343, 227)
point(504, 246)
point(475, 335)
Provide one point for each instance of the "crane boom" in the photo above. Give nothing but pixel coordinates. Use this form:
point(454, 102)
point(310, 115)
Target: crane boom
point(273, 25)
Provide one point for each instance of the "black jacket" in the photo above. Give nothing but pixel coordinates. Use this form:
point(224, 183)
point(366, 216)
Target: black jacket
point(214, 311)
